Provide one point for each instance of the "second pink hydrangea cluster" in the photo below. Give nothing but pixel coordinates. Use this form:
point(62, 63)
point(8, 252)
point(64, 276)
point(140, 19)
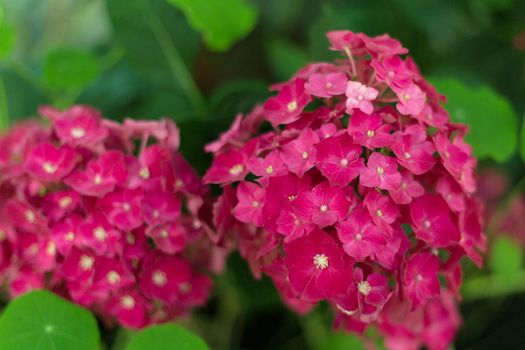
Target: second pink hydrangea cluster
point(351, 185)
point(106, 214)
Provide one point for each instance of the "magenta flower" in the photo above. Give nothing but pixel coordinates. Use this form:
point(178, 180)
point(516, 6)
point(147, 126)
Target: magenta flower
point(339, 160)
point(369, 130)
point(251, 200)
point(288, 105)
point(413, 150)
point(324, 205)
point(326, 85)
point(420, 282)
point(123, 208)
point(226, 168)
point(79, 126)
point(432, 221)
point(381, 171)
point(317, 267)
point(362, 180)
point(411, 100)
point(408, 189)
point(361, 238)
point(49, 163)
point(101, 175)
point(360, 97)
point(299, 155)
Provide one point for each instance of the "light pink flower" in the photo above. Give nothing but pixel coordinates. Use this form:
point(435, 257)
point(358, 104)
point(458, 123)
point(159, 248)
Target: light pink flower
point(360, 96)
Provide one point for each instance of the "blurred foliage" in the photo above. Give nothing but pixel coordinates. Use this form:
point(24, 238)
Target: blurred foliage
point(166, 337)
point(202, 62)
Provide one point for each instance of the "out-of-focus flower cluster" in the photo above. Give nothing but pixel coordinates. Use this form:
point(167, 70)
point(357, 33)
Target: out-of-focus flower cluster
point(351, 185)
point(106, 214)
point(504, 207)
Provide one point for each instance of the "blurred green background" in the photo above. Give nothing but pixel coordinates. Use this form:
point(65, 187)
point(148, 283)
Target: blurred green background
point(203, 61)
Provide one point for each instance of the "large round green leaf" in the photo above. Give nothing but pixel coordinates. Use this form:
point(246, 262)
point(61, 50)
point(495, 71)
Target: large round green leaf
point(40, 320)
point(67, 68)
point(492, 121)
point(222, 22)
point(166, 337)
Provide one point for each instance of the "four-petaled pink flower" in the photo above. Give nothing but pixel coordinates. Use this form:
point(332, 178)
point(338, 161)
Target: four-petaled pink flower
point(381, 171)
point(360, 96)
point(288, 105)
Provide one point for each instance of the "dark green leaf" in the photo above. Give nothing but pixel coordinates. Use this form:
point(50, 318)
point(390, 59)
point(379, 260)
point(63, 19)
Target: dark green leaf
point(68, 68)
point(285, 58)
point(221, 23)
point(506, 257)
point(166, 337)
point(492, 121)
point(40, 320)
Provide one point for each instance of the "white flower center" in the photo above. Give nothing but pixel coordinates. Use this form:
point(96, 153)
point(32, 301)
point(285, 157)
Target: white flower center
point(380, 170)
point(321, 261)
point(164, 233)
point(323, 208)
point(364, 287)
point(379, 213)
point(29, 216)
point(70, 236)
point(100, 234)
point(255, 204)
point(344, 162)
point(236, 169)
point(51, 248)
point(358, 237)
point(86, 262)
point(49, 167)
point(113, 277)
point(127, 302)
point(269, 170)
point(159, 278)
point(144, 173)
point(65, 202)
point(97, 179)
point(292, 106)
point(305, 155)
point(78, 132)
point(370, 133)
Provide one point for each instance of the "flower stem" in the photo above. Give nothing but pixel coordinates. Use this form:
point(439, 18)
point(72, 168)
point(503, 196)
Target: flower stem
point(177, 65)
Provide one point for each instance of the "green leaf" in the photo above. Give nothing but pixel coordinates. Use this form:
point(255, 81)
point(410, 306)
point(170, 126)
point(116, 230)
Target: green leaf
point(221, 22)
point(67, 69)
point(285, 58)
point(40, 320)
point(166, 337)
point(506, 258)
point(7, 39)
point(492, 121)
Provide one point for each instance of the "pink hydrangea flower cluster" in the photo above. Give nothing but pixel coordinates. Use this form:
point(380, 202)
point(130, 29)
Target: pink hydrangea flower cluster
point(351, 185)
point(106, 214)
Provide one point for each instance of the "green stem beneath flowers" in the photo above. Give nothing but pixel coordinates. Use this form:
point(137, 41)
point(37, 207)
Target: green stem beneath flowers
point(177, 65)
